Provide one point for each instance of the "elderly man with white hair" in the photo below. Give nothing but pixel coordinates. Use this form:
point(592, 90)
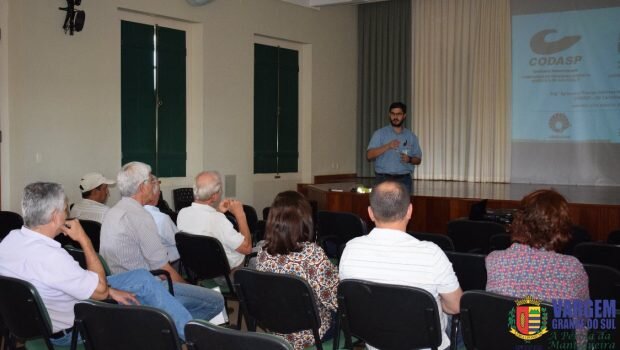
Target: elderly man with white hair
point(129, 240)
point(32, 254)
point(206, 217)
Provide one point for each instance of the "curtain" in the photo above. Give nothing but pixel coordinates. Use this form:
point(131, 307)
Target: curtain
point(461, 89)
point(384, 68)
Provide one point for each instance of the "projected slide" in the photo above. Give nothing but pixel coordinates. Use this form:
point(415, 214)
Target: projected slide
point(566, 76)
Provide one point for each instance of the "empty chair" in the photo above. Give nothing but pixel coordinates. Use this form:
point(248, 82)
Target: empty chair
point(614, 237)
point(24, 315)
point(336, 229)
point(389, 316)
point(603, 282)
point(499, 241)
point(470, 236)
point(119, 327)
point(444, 242)
point(9, 221)
point(599, 254)
point(93, 231)
point(182, 197)
point(578, 235)
point(278, 303)
point(202, 335)
point(203, 259)
point(470, 270)
point(484, 318)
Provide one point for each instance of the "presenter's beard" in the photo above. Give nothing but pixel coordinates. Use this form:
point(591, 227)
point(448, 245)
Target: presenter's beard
point(396, 123)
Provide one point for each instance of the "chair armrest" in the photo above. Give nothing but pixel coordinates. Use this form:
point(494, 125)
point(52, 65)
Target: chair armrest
point(168, 278)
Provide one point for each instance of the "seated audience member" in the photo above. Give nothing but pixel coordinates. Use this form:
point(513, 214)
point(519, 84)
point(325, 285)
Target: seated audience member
point(389, 255)
point(206, 217)
point(289, 249)
point(531, 265)
point(129, 241)
point(165, 227)
point(95, 193)
point(32, 254)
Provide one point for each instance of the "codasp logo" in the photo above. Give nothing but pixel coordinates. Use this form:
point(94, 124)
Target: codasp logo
point(528, 320)
point(541, 46)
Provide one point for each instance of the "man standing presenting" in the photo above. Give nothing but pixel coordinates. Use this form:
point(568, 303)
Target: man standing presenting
point(129, 241)
point(395, 149)
point(206, 217)
point(95, 193)
point(390, 255)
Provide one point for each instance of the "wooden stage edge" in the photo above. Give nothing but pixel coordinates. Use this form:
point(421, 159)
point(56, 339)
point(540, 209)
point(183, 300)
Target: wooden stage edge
point(595, 208)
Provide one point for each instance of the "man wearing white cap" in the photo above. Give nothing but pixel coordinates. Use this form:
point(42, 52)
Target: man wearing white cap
point(95, 193)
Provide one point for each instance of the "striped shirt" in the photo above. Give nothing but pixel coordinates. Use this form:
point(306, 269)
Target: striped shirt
point(394, 257)
point(88, 209)
point(129, 238)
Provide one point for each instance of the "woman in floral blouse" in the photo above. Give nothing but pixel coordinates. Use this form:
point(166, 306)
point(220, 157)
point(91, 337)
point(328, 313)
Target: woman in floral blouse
point(532, 266)
point(289, 249)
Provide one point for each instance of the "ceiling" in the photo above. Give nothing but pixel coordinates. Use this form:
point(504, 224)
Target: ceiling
point(319, 3)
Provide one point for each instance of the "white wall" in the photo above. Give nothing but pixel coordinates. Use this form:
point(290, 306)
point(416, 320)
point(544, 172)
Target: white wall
point(60, 110)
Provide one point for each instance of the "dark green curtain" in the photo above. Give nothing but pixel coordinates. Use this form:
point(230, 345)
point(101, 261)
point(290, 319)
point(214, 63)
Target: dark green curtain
point(384, 69)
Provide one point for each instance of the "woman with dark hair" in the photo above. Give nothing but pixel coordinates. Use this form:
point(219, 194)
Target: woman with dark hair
point(532, 265)
point(289, 249)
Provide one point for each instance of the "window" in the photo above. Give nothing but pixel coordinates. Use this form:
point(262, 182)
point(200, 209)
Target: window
point(153, 97)
point(276, 108)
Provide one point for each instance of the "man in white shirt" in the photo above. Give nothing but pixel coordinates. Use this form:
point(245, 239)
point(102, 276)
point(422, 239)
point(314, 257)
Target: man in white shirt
point(206, 217)
point(165, 227)
point(95, 193)
point(389, 255)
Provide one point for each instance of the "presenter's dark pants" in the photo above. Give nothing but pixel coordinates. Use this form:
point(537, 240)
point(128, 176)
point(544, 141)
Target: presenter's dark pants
point(405, 179)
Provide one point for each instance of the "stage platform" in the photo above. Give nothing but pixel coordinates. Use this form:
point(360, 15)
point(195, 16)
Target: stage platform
point(596, 208)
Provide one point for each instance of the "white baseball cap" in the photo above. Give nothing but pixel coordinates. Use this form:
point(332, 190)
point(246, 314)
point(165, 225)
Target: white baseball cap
point(93, 180)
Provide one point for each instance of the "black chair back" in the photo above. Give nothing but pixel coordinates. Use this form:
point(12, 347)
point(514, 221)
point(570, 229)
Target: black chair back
point(202, 257)
point(444, 242)
point(470, 236)
point(251, 216)
point(107, 326)
point(266, 213)
point(500, 241)
point(336, 229)
point(578, 235)
point(484, 317)
point(470, 270)
point(277, 302)
point(93, 231)
point(182, 197)
point(603, 281)
point(614, 237)
point(202, 335)
point(368, 311)
point(599, 254)
point(9, 221)
point(23, 311)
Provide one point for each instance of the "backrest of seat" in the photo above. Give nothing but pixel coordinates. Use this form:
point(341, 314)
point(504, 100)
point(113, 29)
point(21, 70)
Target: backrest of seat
point(470, 270)
point(93, 231)
point(603, 282)
point(389, 316)
point(9, 221)
point(22, 309)
point(614, 237)
point(202, 335)
point(78, 255)
point(500, 241)
point(599, 254)
point(108, 326)
point(251, 217)
point(266, 213)
point(204, 257)
point(444, 242)
point(344, 225)
point(484, 317)
point(277, 302)
point(182, 197)
point(470, 236)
